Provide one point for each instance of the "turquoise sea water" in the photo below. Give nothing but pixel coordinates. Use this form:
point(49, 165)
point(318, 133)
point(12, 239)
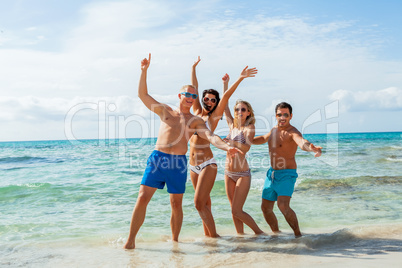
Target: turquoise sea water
point(80, 195)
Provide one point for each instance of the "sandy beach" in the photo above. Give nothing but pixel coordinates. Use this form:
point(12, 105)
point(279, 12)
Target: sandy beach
point(356, 247)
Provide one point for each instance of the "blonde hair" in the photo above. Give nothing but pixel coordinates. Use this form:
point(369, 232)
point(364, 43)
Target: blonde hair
point(183, 88)
point(250, 119)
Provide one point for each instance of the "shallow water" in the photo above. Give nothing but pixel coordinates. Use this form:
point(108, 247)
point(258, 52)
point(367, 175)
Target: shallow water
point(70, 204)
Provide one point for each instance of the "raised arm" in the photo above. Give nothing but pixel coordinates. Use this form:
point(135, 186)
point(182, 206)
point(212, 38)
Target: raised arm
point(149, 101)
point(197, 108)
point(305, 145)
point(228, 115)
point(227, 93)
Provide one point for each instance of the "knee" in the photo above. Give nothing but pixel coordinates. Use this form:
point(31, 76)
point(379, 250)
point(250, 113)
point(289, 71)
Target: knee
point(176, 205)
point(266, 209)
point(199, 204)
point(284, 208)
point(142, 199)
point(236, 212)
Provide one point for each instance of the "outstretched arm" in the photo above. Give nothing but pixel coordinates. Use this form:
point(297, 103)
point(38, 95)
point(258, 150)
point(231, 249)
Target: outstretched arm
point(206, 134)
point(249, 135)
point(305, 145)
point(149, 101)
point(227, 93)
point(261, 139)
point(197, 108)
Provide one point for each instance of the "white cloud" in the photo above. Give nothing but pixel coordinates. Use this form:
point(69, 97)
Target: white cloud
point(298, 61)
point(388, 99)
point(32, 108)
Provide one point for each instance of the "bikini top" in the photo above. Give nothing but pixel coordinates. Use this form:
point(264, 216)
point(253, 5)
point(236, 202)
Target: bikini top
point(239, 137)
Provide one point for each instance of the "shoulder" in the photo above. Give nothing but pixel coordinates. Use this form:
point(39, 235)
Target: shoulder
point(166, 107)
point(196, 120)
point(250, 128)
point(293, 131)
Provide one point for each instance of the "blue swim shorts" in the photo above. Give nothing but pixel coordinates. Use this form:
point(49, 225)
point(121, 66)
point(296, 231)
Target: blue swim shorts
point(279, 183)
point(166, 168)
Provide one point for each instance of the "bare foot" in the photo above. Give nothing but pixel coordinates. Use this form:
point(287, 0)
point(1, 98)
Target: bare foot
point(129, 245)
point(213, 236)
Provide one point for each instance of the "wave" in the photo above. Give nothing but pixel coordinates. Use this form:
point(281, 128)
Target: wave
point(21, 191)
point(345, 183)
point(393, 158)
point(21, 159)
point(18, 162)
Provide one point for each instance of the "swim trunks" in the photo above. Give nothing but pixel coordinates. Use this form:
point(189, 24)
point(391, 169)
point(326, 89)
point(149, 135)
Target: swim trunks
point(163, 168)
point(279, 183)
point(200, 167)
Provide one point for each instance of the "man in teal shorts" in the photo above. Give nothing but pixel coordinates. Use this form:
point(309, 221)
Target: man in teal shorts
point(168, 163)
point(283, 140)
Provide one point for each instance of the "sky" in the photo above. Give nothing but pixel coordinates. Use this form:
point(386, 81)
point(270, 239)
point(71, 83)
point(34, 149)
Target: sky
point(70, 69)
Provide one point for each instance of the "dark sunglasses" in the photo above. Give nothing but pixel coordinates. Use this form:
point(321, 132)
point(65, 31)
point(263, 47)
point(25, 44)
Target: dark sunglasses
point(284, 115)
point(242, 109)
point(188, 95)
point(206, 99)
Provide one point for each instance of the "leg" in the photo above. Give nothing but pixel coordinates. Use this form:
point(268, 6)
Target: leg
point(290, 215)
point(240, 195)
point(230, 187)
point(267, 207)
point(177, 215)
point(144, 196)
point(202, 199)
point(194, 179)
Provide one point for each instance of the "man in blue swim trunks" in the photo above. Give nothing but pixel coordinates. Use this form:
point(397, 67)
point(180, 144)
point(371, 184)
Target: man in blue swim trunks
point(283, 140)
point(168, 164)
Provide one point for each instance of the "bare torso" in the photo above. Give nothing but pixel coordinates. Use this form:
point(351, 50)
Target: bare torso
point(200, 150)
point(175, 131)
point(282, 148)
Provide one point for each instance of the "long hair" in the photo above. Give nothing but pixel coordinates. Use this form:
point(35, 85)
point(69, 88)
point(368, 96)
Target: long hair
point(250, 119)
point(213, 92)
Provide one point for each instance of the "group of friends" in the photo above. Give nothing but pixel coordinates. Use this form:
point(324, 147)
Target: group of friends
point(167, 164)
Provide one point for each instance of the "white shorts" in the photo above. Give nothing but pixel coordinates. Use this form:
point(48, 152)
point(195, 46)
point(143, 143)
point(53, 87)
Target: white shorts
point(200, 167)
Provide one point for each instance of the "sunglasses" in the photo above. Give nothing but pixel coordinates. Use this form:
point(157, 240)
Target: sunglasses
point(188, 95)
point(206, 99)
point(242, 109)
point(284, 115)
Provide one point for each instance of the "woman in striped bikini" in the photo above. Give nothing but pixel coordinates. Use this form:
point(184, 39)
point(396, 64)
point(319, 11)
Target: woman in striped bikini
point(203, 166)
point(237, 171)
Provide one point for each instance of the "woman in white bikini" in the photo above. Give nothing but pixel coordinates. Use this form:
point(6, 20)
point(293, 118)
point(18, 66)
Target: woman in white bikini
point(203, 166)
point(237, 171)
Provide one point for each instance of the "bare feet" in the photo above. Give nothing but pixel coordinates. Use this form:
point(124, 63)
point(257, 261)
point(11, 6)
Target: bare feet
point(129, 245)
point(215, 236)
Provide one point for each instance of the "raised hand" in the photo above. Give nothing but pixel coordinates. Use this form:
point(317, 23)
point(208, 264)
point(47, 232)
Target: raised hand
point(196, 62)
point(248, 72)
point(225, 80)
point(145, 63)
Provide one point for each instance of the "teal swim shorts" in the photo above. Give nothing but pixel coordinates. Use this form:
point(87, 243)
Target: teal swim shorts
point(279, 183)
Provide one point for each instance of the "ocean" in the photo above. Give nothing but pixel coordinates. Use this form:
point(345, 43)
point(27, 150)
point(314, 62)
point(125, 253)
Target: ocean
point(69, 204)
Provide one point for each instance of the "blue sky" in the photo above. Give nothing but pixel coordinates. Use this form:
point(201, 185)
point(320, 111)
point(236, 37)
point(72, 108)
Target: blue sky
point(70, 69)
